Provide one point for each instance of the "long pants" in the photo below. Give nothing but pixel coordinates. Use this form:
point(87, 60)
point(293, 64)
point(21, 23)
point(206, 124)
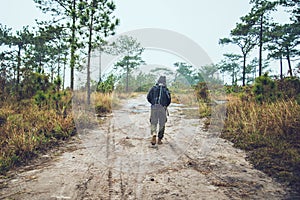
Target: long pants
point(158, 116)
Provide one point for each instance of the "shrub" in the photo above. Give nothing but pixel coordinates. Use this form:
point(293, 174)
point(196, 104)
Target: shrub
point(229, 89)
point(32, 83)
point(265, 89)
point(289, 87)
point(102, 102)
point(108, 85)
point(202, 91)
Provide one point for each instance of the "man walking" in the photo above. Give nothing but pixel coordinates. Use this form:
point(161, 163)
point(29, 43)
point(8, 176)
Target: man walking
point(160, 98)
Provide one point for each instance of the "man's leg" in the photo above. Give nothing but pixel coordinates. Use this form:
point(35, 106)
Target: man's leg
point(153, 133)
point(162, 121)
point(161, 134)
point(153, 127)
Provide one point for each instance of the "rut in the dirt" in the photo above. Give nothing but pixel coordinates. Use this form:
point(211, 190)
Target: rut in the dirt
point(115, 161)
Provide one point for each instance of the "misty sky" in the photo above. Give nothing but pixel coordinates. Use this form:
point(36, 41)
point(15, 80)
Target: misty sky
point(203, 21)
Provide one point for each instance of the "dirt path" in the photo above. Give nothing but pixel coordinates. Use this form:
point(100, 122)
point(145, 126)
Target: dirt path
point(116, 161)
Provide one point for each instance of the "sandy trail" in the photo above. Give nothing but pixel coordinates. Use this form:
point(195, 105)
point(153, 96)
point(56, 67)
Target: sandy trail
point(116, 161)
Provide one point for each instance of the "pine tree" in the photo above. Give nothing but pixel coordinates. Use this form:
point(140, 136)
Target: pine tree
point(259, 20)
point(245, 39)
point(65, 13)
point(130, 50)
point(231, 65)
point(96, 16)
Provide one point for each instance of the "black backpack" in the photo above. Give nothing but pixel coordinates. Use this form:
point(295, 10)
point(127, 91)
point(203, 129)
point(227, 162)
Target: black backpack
point(159, 94)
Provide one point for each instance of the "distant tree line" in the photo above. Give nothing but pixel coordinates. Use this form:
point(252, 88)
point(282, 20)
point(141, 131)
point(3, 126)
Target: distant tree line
point(258, 30)
point(77, 28)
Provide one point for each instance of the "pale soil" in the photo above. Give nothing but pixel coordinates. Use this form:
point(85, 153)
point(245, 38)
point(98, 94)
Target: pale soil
point(116, 161)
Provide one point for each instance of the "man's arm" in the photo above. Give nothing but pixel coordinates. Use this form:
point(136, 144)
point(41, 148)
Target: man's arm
point(150, 95)
point(168, 96)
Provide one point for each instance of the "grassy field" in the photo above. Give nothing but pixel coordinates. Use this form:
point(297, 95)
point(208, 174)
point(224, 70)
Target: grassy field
point(264, 120)
point(28, 128)
point(270, 132)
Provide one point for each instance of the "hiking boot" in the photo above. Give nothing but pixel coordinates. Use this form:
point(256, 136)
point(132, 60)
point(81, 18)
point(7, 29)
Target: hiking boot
point(153, 141)
point(159, 141)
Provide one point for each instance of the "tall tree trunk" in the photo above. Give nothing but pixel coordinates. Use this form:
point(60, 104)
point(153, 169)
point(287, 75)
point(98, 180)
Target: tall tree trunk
point(58, 66)
point(40, 70)
point(3, 79)
point(19, 65)
point(254, 74)
point(73, 47)
point(281, 73)
point(289, 61)
point(18, 90)
point(260, 46)
point(127, 79)
point(64, 73)
point(88, 79)
point(51, 74)
point(127, 74)
point(233, 73)
point(244, 69)
point(100, 70)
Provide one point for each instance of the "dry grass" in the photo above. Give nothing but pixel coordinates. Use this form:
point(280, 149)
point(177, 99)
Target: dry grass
point(124, 95)
point(268, 119)
point(204, 109)
point(187, 98)
point(87, 116)
point(27, 129)
point(103, 102)
point(271, 132)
